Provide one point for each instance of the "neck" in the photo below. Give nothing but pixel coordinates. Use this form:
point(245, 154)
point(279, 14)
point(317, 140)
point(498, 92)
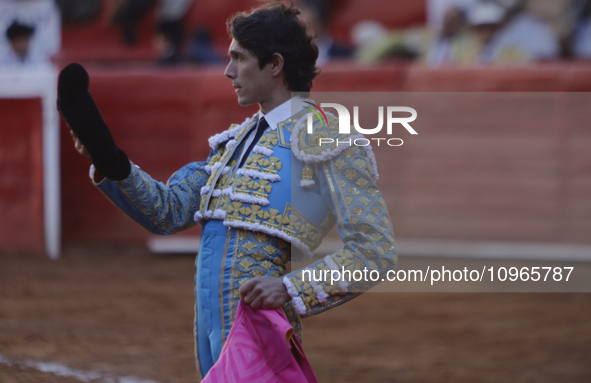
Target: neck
point(277, 98)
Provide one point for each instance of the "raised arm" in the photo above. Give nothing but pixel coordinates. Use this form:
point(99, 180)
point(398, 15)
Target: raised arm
point(160, 208)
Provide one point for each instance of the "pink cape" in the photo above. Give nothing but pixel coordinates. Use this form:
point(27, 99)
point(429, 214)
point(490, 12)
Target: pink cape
point(261, 348)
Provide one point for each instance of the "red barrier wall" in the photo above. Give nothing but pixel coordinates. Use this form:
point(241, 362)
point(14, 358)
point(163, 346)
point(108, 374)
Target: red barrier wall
point(21, 175)
point(162, 119)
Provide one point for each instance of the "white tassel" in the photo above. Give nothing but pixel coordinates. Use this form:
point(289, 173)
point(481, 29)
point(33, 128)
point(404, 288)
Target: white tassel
point(219, 214)
point(297, 301)
point(198, 217)
point(240, 197)
point(299, 305)
point(307, 183)
point(302, 247)
point(259, 175)
point(217, 139)
point(258, 149)
point(290, 289)
point(320, 293)
point(212, 168)
point(230, 144)
point(205, 190)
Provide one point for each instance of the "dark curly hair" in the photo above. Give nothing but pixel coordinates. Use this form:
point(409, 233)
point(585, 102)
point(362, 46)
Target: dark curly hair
point(275, 28)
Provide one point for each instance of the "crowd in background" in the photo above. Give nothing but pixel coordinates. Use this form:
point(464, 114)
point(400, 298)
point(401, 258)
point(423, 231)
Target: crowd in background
point(457, 32)
point(508, 31)
point(484, 32)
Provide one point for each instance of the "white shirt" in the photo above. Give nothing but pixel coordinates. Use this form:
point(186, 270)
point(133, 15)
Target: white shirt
point(273, 118)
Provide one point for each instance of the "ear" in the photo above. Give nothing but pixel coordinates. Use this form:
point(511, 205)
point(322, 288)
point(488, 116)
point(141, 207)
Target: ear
point(277, 64)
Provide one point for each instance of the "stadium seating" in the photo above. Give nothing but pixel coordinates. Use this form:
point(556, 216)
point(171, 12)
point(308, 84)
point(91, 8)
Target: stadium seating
point(100, 40)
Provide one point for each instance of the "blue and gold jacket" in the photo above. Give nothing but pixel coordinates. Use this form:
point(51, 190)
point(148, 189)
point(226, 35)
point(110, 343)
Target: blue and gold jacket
point(292, 189)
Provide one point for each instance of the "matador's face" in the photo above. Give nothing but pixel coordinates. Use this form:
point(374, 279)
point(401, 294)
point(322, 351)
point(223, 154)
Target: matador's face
point(252, 83)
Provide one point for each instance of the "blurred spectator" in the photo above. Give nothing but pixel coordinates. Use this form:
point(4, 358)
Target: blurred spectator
point(129, 13)
point(31, 32)
point(374, 42)
point(486, 19)
point(167, 41)
point(446, 38)
point(368, 33)
point(453, 44)
point(77, 11)
point(174, 10)
point(437, 9)
point(19, 36)
point(317, 13)
point(551, 11)
point(201, 50)
point(579, 43)
point(510, 35)
point(555, 13)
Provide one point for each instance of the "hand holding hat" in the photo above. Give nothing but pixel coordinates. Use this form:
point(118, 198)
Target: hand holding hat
point(78, 108)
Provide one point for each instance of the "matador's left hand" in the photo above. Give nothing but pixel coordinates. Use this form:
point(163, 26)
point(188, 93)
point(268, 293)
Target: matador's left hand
point(265, 293)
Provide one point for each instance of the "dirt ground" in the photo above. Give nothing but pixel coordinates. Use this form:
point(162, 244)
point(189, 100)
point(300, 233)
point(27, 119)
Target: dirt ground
point(111, 314)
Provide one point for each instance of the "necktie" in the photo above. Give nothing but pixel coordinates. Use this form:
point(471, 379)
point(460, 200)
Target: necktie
point(263, 124)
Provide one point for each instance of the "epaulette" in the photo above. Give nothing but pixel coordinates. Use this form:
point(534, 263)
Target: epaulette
point(323, 144)
point(232, 132)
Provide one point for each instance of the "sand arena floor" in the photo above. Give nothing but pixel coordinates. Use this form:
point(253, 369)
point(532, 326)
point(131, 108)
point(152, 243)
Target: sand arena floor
point(110, 314)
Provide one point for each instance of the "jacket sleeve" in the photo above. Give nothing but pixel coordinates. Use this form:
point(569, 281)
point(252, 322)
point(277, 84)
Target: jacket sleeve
point(347, 183)
point(159, 208)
